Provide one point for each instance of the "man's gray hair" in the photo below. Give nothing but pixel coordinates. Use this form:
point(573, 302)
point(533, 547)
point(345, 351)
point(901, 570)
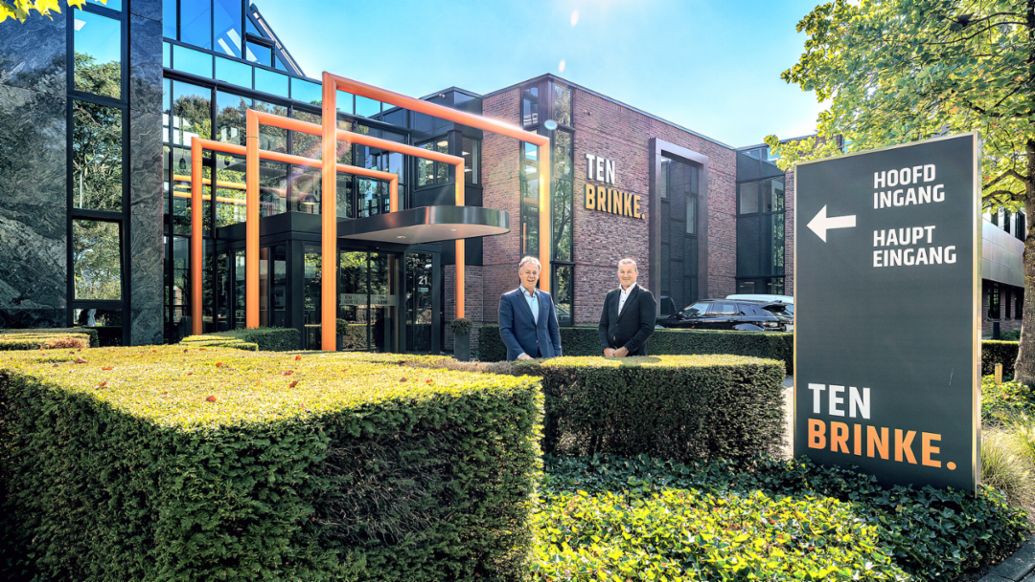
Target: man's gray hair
point(627, 261)
point(530, 259)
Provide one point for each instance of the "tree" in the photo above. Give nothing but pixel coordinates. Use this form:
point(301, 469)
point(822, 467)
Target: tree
point(896, 71)
point(20, 9)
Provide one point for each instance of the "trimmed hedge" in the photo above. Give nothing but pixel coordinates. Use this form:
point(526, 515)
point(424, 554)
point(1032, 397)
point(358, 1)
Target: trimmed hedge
point(932, 534)
point(998, 352)
point(48, 338)
point(584, 341)
point(182, 463)
point(219, 341)
point(267, 339)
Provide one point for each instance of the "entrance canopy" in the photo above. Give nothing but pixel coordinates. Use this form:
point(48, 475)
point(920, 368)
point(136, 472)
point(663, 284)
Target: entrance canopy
point(426, 224)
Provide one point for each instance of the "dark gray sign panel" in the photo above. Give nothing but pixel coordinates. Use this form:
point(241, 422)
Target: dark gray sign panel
point(887, 251)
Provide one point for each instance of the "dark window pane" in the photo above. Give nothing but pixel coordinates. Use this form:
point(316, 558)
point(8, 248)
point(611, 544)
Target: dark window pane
point(529, 182)
point(303, 144)
point(691, 215)
point(564, 292)
point(227, 37)
point(561, 103)
point(271, 138)
point(663, 177)
point(993, 301)
point(305, 190)
point(98, 54)
point(272, 187)
point(230, 190)
point(562, 195)
point(430, 173)
point(96, 260)
point(472, 154)
point(258, 53)
point(96, 156)
point(196, 22)
point(530, 106)
point(748, 196)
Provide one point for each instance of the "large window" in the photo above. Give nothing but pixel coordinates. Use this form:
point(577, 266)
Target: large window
point(227, 16)
point(472, 154)
point(95, 260)
point(761, 248)
point(96, 156)
point(429, 172)
point(679, 188)
point(529, 182)
point(98, 54)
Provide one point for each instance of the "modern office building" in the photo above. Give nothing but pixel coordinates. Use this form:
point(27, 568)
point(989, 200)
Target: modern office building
point(98, 108)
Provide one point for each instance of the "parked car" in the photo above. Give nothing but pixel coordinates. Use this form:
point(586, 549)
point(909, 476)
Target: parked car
point(781, 306)
point(725, 314)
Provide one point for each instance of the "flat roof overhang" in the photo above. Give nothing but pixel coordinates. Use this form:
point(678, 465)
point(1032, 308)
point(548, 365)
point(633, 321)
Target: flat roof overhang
point(427, 224)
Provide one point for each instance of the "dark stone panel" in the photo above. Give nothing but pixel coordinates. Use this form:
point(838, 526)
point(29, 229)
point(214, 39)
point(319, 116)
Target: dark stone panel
point(147, 9)
point(145, 150)
point(145, 57)
point(31, 49)
point(33, 201)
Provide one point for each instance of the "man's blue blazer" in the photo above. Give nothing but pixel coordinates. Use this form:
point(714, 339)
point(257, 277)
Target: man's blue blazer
point(521, 333)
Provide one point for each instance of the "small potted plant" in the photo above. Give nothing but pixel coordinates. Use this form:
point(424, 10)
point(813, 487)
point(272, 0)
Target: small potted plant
point(461, 338)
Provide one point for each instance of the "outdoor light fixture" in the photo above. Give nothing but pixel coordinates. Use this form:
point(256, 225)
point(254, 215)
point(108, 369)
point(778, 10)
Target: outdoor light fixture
point(550, 125)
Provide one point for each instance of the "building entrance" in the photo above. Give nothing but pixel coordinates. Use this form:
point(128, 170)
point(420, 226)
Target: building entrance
point(368, 300)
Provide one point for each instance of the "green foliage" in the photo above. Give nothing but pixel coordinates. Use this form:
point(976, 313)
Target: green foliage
point(268, 339)
point(998, 352)
point(584, 341)
point(679, 407)
point(184, 463)
point(460, 326)
point(1004, 403)
point(20, 9)
point(1005, 468)
point(931, 534)
point(904, 70)
point(47, 338)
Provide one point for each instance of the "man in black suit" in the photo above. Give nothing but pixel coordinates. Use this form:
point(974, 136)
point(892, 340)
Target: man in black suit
point(628, 316)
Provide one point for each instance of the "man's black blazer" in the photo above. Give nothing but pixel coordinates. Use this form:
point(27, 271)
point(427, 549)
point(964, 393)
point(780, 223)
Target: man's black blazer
point(631, 328)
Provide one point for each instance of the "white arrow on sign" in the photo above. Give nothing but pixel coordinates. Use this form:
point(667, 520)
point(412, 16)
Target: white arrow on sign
point(822, 223)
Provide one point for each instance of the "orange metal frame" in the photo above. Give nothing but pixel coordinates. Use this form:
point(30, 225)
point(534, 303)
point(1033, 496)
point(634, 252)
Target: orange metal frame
point(331, 135)
point(251, 253)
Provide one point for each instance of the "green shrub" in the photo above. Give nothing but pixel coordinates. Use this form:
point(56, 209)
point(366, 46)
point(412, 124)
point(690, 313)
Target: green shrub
point(584, 341)
point(1005, 468)
point(933, 534)
point(998, 352)
point(1003, 403)
point(182, 463)
point(47, 338)
point(686, 534)
point(679, 407)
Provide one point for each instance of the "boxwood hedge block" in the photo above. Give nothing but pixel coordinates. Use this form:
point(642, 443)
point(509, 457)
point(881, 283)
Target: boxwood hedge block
point(676, 407)
point(189, 463)
point(998, 352)
point(584, 341)
point(269, 339)
point(218, 341)
point(47, 338)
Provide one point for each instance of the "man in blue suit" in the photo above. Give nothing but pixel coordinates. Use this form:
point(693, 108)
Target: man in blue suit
point(528, 318)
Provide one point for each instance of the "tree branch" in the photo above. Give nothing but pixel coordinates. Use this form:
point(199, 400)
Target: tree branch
point(1007, 174)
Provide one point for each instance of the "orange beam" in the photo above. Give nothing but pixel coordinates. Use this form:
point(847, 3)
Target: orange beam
point(329, 221)
point(195, 238)
point(251, 223)
point(475, 121)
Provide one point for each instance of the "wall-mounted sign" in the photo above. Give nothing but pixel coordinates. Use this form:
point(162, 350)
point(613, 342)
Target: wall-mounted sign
point(887, 312)
point(603, 196)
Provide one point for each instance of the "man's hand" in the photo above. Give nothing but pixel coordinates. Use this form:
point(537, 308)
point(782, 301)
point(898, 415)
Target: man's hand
point(524, 356)
point(609, 352)
point(621, 352)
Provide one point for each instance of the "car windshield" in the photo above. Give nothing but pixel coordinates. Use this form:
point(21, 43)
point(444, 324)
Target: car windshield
point(695, 310)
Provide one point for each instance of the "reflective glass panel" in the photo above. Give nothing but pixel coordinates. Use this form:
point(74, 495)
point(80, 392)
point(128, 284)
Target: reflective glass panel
point(169, 19)
point(529, 181)
point(196, 23)
point(271, 82)
point(561, 103)
point(367, 107)
point(230, 117)
point(192, 61)
point(259, 53)
point(472, 153)
point(272, 138)
point(227, 34)
point(306, 91)
point(96, 156)
point(230, 190)
point(235, 72)
point(96, 260)
point(192, 114)
point(562, 175)
point(98, 54)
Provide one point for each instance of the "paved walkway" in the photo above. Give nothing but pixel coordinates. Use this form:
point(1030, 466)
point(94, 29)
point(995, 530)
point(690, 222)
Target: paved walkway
point(1020, 567)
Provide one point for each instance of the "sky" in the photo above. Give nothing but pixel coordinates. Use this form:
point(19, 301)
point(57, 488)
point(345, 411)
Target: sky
point(712, 66)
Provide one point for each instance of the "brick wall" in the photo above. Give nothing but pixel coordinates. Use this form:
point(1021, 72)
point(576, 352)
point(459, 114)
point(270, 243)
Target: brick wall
point(623, 135)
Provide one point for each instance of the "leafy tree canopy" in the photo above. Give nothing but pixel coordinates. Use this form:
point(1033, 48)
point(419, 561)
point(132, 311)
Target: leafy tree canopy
point(896, 71)
point(21, 9)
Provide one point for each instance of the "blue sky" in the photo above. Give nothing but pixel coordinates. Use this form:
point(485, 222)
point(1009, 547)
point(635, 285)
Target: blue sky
point(711, 66)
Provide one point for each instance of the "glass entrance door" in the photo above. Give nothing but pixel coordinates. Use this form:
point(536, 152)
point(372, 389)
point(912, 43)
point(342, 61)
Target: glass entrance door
point(420, 324)
point(368, 301)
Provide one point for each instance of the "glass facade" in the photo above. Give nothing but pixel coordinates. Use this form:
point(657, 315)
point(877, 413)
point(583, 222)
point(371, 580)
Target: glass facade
point(761, 226)
point(679, 189)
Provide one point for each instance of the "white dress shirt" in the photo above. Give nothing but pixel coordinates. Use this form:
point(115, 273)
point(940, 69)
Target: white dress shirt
point(623, 295)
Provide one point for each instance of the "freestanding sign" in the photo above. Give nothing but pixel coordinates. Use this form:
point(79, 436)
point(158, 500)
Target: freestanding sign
point(887, 251)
